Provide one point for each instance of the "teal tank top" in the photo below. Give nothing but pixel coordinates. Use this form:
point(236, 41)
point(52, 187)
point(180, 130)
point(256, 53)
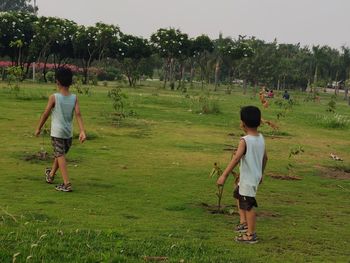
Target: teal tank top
point(62, 116)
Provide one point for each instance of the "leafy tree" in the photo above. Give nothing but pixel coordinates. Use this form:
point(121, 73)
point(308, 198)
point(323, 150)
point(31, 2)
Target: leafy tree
point(93, 43)
point(228, 51)
point(170, 44)
point(17, 6)
point(202, 48)
point(53, 38)
point(16, 34)
point(345, 62)
point(86, 48)
point(131, 52)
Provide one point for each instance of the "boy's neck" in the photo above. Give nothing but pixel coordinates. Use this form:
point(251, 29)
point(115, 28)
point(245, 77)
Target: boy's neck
point(63, 90)
point(252, 131)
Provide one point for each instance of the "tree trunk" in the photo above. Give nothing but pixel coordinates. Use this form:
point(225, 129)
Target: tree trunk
point(244, 86)
point(315, 80)
point(183, 73)
point(346, 93)
point(166, 71)
point(191, 75)
point(217, 74)
point(44, 69)
point(181, 76)
point(171, 77)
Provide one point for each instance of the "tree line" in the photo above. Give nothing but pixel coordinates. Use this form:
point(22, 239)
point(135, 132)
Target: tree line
point(169, 54)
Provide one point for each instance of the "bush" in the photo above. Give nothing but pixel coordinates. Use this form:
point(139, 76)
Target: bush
point(50, 76)
point(204, 104)
point(331, 105)
point(109, 74)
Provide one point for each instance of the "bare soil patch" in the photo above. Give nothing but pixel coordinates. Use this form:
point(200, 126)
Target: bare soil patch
point(338, 172)
point(285, 177)
point(231, 210)
point(39, 156)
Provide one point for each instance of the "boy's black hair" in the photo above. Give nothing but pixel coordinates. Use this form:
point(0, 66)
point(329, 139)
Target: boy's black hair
point(64, 76)
point(251, 116)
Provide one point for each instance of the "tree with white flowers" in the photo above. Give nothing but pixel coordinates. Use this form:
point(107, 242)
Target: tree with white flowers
point(17, 6)
point(170, 45)
point(131, 52)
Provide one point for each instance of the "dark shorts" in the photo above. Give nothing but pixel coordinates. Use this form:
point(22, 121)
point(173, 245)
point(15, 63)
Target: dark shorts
point(60, 146)
point(245, 202)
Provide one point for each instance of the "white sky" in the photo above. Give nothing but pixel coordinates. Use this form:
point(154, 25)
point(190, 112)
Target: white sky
point(290, 21)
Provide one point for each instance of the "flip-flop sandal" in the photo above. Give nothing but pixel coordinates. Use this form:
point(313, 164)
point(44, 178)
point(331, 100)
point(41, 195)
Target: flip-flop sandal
point(241, 228)
point(49, 179)
point(247, 238)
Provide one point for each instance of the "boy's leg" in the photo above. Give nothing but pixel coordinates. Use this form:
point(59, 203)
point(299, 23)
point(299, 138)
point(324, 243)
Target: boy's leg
point(242, 214)
point(63, 168)
point(251, 220)
point(54, 168)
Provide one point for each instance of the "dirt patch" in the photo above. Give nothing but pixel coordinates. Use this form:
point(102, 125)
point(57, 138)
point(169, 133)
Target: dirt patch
point(39, 156)
point(213, 209)
point(338, 172)
point(231, 210)
point(285, 177)
point(267, 214)
point(272, 137)
point(155, 259)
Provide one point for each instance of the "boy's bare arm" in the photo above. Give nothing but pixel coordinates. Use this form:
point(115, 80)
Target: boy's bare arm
point(82, 135)
point(263, 166)
point(46, 114)
point(235, 160)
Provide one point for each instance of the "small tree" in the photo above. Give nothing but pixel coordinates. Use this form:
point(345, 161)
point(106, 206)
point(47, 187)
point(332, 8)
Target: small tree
point(118, 98)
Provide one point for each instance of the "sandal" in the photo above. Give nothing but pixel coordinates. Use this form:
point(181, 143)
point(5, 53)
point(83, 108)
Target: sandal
point(48, 177)
point(241, 228)
point(64, 187)
point(247, 238)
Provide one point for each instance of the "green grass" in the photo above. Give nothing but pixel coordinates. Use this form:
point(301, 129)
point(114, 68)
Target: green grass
point(139, 186)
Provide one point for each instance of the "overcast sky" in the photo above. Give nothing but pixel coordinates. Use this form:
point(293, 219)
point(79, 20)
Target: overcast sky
point(290, 21)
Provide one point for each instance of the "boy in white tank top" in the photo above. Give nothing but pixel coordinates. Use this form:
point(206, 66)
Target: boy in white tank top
point(61, 106)
point(251, 155)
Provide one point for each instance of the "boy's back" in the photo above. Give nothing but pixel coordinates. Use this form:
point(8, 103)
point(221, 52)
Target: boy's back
point(251, 165)
point(62, 116)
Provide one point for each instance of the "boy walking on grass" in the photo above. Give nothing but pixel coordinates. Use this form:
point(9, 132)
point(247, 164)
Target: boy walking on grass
point(61, 105)
point(251, 155)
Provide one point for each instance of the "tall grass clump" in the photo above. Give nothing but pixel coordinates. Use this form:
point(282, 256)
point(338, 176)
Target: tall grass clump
point(204, 104)
point(336, 121)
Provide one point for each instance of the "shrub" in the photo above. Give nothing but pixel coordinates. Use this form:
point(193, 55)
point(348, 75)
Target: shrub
point(331, 105)
point(203, 104)
point(109, 74)
point(50, 76)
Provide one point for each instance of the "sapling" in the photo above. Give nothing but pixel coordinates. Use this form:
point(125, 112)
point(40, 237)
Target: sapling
point(118, 102)
point(331, 105)
point(292, 154)
point(217, 172)
point(14, 75)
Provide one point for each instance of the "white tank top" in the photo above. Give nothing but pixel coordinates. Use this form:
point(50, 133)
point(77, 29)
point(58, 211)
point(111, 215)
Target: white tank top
point(62, 116)
point(251, 165)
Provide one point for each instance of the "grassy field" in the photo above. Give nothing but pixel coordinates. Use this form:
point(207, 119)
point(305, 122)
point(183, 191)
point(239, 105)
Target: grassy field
point(141, 187)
